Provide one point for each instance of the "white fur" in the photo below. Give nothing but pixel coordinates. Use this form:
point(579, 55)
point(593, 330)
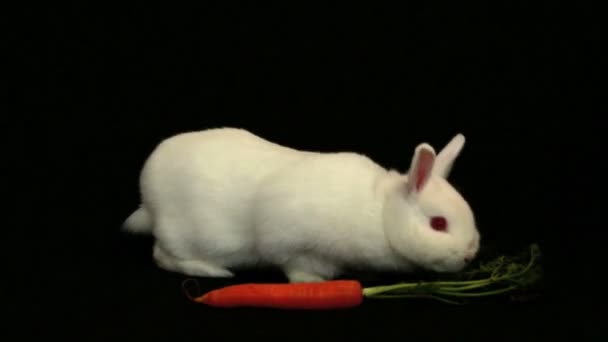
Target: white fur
point(224, 198)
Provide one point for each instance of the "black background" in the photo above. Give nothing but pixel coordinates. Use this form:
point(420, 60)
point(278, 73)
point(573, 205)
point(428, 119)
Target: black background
point(102, 85)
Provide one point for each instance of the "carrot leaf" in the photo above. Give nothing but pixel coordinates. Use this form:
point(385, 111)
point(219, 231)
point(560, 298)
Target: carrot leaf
point(495, 277)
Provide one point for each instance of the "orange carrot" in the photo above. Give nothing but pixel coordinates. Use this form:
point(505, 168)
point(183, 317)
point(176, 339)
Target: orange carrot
point(498, 276)
point(335, 294)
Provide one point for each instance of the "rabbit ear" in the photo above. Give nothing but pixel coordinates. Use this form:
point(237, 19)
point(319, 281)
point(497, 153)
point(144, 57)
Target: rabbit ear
point(421, 168)
point(447, 156)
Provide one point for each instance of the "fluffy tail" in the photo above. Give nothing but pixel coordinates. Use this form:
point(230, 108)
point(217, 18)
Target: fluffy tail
point(138, 223)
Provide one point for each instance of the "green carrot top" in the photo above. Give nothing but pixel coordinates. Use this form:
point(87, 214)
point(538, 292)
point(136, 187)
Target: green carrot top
point(501, 275)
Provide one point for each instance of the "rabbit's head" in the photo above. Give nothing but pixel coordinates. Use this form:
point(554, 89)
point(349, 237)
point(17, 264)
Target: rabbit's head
point(427, 221)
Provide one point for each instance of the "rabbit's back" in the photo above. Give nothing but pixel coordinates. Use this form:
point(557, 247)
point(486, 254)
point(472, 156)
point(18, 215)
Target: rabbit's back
point(219, 158)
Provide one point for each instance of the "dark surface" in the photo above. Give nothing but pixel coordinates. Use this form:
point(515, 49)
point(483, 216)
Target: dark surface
point(109, 83)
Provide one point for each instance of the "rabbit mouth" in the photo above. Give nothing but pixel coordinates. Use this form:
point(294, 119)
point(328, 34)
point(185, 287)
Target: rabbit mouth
point(441, 266)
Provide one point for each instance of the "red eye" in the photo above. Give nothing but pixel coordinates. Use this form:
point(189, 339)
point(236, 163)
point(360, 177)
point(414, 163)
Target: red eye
point(439, 223)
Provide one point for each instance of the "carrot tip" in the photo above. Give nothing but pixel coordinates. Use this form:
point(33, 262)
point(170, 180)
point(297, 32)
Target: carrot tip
point(201, 299)
point(187, 293)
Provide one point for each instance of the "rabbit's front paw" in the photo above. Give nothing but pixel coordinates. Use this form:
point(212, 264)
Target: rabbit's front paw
point(303, 277)
point(308, 269)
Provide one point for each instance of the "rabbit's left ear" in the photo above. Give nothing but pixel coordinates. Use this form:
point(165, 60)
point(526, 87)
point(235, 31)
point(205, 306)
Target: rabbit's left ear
point(447, 156)
point(421, 168)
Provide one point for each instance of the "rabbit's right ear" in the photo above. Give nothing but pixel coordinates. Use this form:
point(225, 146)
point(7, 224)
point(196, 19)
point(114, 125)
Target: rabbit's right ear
point(447, 156)
point(421, 168)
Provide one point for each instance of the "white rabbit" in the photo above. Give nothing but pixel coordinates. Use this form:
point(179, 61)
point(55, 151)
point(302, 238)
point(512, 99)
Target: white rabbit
point(224, 198)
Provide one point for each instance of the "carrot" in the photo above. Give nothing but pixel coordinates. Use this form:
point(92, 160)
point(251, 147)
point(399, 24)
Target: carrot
point(336, 294)
point(496, 277)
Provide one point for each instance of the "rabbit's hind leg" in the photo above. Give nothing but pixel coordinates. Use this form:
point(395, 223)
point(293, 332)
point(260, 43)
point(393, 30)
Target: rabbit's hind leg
point(191, 267)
